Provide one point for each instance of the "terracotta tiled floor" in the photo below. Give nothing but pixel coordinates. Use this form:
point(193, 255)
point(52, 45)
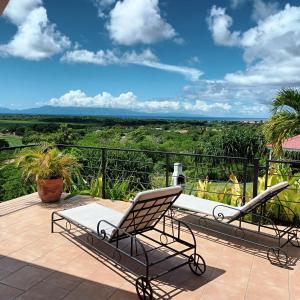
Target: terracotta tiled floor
point(35, 264)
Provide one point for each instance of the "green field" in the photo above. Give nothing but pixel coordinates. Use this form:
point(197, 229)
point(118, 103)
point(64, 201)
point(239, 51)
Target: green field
point(12, 140)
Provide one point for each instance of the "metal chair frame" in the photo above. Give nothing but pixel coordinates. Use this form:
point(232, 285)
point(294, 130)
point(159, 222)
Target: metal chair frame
point(137, 239)
point(281, 235)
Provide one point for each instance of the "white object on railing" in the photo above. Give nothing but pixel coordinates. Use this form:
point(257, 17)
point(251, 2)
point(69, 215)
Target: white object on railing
point(178, 176)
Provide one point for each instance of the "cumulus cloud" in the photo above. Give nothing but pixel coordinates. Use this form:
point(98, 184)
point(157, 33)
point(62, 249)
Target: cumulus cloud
point(138, 21)
point(271, 48)
point(219, 24)
point(130, 101)
point(243, 100)
point(262, 10)
point(145, 58)
point(36, 38)
point(103, 6)
point(17, 11)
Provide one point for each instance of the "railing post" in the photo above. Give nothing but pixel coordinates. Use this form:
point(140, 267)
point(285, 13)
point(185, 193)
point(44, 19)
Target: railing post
point(167, 168)
point(267, 173)
point(244, 181)
point(103, 171)
point(255, 177)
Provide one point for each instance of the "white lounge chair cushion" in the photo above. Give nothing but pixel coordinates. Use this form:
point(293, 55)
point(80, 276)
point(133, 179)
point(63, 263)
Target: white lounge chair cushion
point(205, 206)
point(259, 198)
point(149, 212)
point(89, 216)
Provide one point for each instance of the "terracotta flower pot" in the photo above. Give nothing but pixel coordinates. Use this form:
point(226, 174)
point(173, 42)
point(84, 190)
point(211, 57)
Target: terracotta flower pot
point(50, 190)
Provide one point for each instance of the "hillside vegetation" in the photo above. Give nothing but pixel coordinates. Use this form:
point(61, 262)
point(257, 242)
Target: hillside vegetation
point(204, 137)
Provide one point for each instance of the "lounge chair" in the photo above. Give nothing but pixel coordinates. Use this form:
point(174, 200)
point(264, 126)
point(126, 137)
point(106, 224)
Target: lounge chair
point(251, 212)
point(135, 227)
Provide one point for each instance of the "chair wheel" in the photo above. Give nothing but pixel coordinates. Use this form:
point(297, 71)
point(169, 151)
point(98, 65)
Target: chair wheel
point(143, 288)
point(197, 264)
point(277, 256)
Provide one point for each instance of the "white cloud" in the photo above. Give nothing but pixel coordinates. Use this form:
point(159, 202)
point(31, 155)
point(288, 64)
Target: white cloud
point(36, 38)
point(203, 106)
point(145, 58)
point(190, 73)
point(103, 6)
point(131, 102)
point(138, 21)
point(262, 10)
point(18, 10)
point(219, 24)
point(236, 3)
point(240, 100)
point(271, 49)
point(101, 57)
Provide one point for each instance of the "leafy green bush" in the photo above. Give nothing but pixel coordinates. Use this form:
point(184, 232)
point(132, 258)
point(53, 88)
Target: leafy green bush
point(289, 197)
point(119, 190)
point(230, 192)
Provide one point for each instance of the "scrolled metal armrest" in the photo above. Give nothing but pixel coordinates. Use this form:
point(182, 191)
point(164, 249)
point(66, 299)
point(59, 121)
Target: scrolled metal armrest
point(119, 230)
point(220, 216)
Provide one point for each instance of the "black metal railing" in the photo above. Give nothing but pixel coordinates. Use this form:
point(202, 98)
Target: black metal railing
point(120, 173)
point(144, 169)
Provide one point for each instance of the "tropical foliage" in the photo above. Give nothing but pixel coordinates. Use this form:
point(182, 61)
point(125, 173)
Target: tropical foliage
point(290, 197)
point(46, 162)
point(229, 192)
point(279, 208)
point(127, 172)
point(285, 121)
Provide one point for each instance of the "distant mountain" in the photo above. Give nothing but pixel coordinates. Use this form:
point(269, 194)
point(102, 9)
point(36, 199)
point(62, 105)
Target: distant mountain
point(72, 111)
point(112, 112)
point(79, 111)
point(90, 111)
point(4, 110)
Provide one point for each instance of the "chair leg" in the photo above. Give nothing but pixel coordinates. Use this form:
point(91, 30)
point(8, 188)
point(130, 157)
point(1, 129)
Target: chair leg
point(143, 288)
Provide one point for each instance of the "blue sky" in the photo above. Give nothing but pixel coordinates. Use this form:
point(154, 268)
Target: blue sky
point(215, 58)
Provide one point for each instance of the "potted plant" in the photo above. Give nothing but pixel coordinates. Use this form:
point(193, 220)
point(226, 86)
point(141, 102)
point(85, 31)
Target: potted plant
point(49, 168)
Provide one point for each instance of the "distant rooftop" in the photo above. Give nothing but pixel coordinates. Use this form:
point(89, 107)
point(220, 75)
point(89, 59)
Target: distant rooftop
point(3, 4)
point(292, 144)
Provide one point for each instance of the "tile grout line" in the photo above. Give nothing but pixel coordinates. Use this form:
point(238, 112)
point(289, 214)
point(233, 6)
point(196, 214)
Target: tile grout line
point(23, 247)
point(35, 266)
point(11, 286)
point(45, 279)
point(24, 291)
point(35, 285)
point(250, 272)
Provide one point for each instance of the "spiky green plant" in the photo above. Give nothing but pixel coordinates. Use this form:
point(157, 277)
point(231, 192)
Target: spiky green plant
point(285, 121)
point(203, 188)
point(120, 190)
point(46, 162)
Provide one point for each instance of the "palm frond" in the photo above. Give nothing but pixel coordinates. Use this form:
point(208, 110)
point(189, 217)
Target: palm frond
point(279, 127)
point(285, 121)
point(287, 99)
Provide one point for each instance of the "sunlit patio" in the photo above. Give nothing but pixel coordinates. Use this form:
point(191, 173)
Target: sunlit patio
point(38, 264)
